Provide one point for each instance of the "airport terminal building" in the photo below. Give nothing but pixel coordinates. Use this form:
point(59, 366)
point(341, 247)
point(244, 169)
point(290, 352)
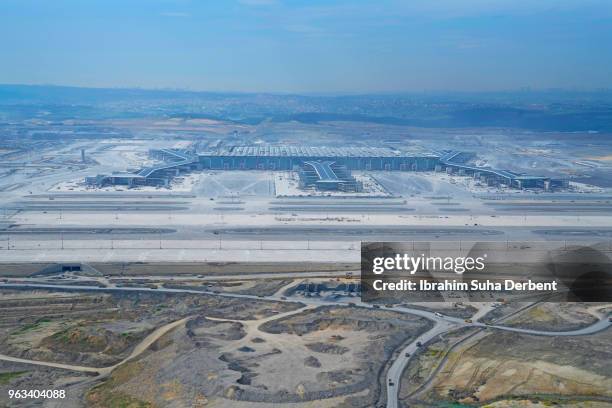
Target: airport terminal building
point(330, 166)
point(327, 176)
point(289, 157)
point(172, 163)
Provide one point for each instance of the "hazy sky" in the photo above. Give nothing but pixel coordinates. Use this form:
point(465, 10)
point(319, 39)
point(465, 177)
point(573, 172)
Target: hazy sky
point(308, 46)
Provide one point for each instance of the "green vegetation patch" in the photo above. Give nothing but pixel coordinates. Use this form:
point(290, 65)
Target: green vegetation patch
point(76, 336)
point(119, 400)
point(6, 378)
point(31, 326)
point(105, 395)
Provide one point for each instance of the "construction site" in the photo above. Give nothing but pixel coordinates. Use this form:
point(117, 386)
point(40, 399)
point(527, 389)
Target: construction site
point(218, 264)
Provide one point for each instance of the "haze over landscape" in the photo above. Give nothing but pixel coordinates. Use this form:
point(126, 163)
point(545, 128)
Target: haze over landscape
point(309, 46)
point(194, 196)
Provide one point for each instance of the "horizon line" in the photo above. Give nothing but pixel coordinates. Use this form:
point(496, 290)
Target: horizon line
point(523, 90)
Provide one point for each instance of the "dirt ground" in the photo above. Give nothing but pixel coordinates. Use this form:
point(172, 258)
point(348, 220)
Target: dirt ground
point(325, 356)
point(557, 316)
point(503, 365)
point(99, 329)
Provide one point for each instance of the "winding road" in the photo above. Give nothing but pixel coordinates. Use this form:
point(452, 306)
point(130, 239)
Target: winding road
point(442, 324)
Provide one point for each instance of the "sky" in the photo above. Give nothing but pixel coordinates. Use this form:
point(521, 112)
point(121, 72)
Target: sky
point(308, 46)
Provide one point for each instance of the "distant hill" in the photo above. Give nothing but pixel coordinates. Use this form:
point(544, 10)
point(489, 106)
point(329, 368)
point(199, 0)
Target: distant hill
point(553, 110)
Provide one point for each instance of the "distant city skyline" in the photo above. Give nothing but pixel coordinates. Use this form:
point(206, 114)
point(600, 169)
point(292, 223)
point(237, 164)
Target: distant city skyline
point(294, 46)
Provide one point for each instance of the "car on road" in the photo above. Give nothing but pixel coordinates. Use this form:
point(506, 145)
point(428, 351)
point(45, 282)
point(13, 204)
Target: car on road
point(407, 354)
point(391, 383)
point(438, 314)
point(419, 344)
